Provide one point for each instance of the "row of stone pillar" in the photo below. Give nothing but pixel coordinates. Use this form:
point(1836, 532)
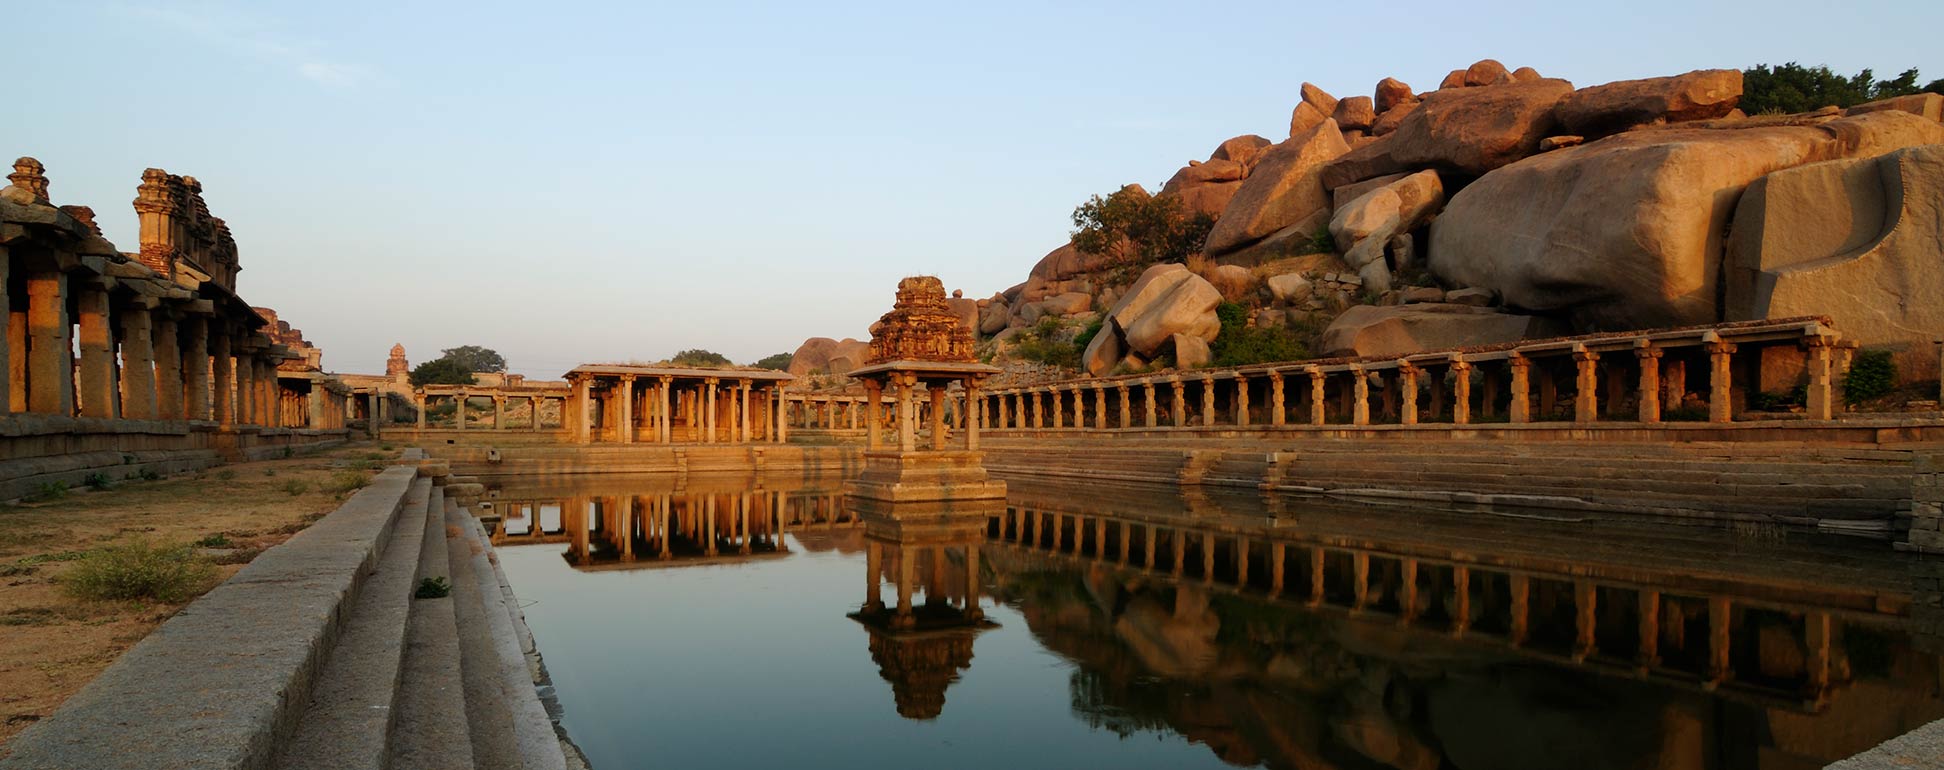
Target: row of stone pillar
point(1049, 530)
point(711, 410)
point(140, 358)
point(421, 399)
point(943, 411)
point(1164, 402)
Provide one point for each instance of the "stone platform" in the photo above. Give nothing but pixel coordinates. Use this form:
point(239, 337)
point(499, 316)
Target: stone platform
point(913, 477)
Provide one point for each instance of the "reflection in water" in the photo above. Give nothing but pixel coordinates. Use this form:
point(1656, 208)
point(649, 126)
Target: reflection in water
point(920, 649)
point(1271, 631)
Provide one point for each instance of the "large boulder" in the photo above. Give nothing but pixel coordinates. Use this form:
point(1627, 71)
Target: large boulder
point(967, 310)
point(1070, 303)
point(1925, 105)
point(1855, 240)
point(1243, 149)
point(1233, 281)
point(1204, 173)
point(1627, 232)
point(1384, 331)
point(1390, 93)
point(1317, 106)
point(1284, 189)
point(1208, 187)
point(1166, 300)
point(1466, 130)
point(1618, 106)
point(1190, 351)
point(1354, 113)
point(823, 354)
point(994, 319)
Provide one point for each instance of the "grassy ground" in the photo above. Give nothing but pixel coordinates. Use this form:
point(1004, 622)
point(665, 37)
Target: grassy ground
point(55, 641)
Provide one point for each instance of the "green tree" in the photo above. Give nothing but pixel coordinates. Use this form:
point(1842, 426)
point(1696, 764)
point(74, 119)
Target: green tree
point(699, 357)
point(475, 358)
point(442, 371)
point(1791, 87)
point(779, 361)
point(1133, 224)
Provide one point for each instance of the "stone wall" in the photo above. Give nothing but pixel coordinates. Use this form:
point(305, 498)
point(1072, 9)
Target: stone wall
point(1927, 507)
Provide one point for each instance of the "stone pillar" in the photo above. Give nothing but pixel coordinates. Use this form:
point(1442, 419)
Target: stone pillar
point(907, 419)
point(873, 435)
point(742, 412)
point(50, 362)
point(937, 393)
point(194, 331)
point(1241, 400)
point(1460, 391)
point(1648, 609)
point(1150, 418)
point(1277, 416)
point(1039, 408)
point(418, 402)
point(1180, 403)
point(1360, 405)
point(169, 404)
point(98, 389)
point(271, 401)
point(1407, 386)
point(1100, 405)
point(665, 417)
point(138, 364)
point(1519, 409)
point(1059, 407)
point(1208, 401)
point(1650, 387)
point(783, 416)
point(222, 376)
point(1317, 404)
point(1586, 400)
point(1818, 401)
point(1126, 406)
point(583, 409)
point(976, 402)
point(624, 427)
point(459, 409)
point(1721, 406)
point(499, 411)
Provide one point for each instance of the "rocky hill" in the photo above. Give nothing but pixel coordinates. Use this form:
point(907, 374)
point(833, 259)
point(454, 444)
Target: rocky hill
point(1504, 205)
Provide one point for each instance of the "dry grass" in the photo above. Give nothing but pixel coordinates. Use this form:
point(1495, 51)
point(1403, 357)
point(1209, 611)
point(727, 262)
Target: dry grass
point(55, 641)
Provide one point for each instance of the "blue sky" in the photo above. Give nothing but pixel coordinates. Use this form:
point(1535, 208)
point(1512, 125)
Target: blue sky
point(572, 182)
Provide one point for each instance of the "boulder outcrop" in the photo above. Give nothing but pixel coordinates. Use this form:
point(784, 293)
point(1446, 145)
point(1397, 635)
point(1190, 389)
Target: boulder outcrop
point(1395, 330)
point(1618, 106)
point(1165, 301)
point(1466, 130)
point(823, 354)
point(1627, 232)
point(1855, 240)
point(1316, 106)
point(1284, 189)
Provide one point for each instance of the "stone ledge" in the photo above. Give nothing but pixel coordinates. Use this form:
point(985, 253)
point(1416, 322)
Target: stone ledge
point(225, 679)
point(1914, 750)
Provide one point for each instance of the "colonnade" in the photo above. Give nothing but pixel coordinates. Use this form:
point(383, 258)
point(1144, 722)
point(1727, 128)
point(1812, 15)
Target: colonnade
point(627, 405)
point(157, 335)
point(459, 397)
point(1642, 377)
point(1563, 615)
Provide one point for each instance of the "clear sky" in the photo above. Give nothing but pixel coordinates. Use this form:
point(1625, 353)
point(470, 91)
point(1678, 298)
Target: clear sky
point(569, 182)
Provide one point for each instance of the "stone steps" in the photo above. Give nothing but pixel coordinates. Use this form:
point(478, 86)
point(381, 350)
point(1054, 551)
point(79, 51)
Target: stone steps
point(432, 731)
point(487, 715)
point(348, 721)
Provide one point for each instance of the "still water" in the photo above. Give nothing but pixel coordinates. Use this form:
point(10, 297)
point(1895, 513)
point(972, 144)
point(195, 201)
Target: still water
point(756, 623)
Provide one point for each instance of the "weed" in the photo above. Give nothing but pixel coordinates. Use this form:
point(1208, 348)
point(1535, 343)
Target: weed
point(149, 474)
point(269, 472)
point(295, 487)
point(288, 452)
point(49, 490)
point(433, 588)
point(345, 482)
point(218, 540)
point(140, 570)
point(43, 558)
point(1871, 376)
point(226, 474)
point(1321, 242)
point(237, 556)
point(98, 481)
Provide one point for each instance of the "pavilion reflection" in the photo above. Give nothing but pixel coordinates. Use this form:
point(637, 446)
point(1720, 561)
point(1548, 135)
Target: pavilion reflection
point(1299, 633)
point(933, 548)
point(640, 523)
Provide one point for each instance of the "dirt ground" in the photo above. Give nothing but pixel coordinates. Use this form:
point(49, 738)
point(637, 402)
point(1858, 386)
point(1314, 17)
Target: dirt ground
point(52, 643)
